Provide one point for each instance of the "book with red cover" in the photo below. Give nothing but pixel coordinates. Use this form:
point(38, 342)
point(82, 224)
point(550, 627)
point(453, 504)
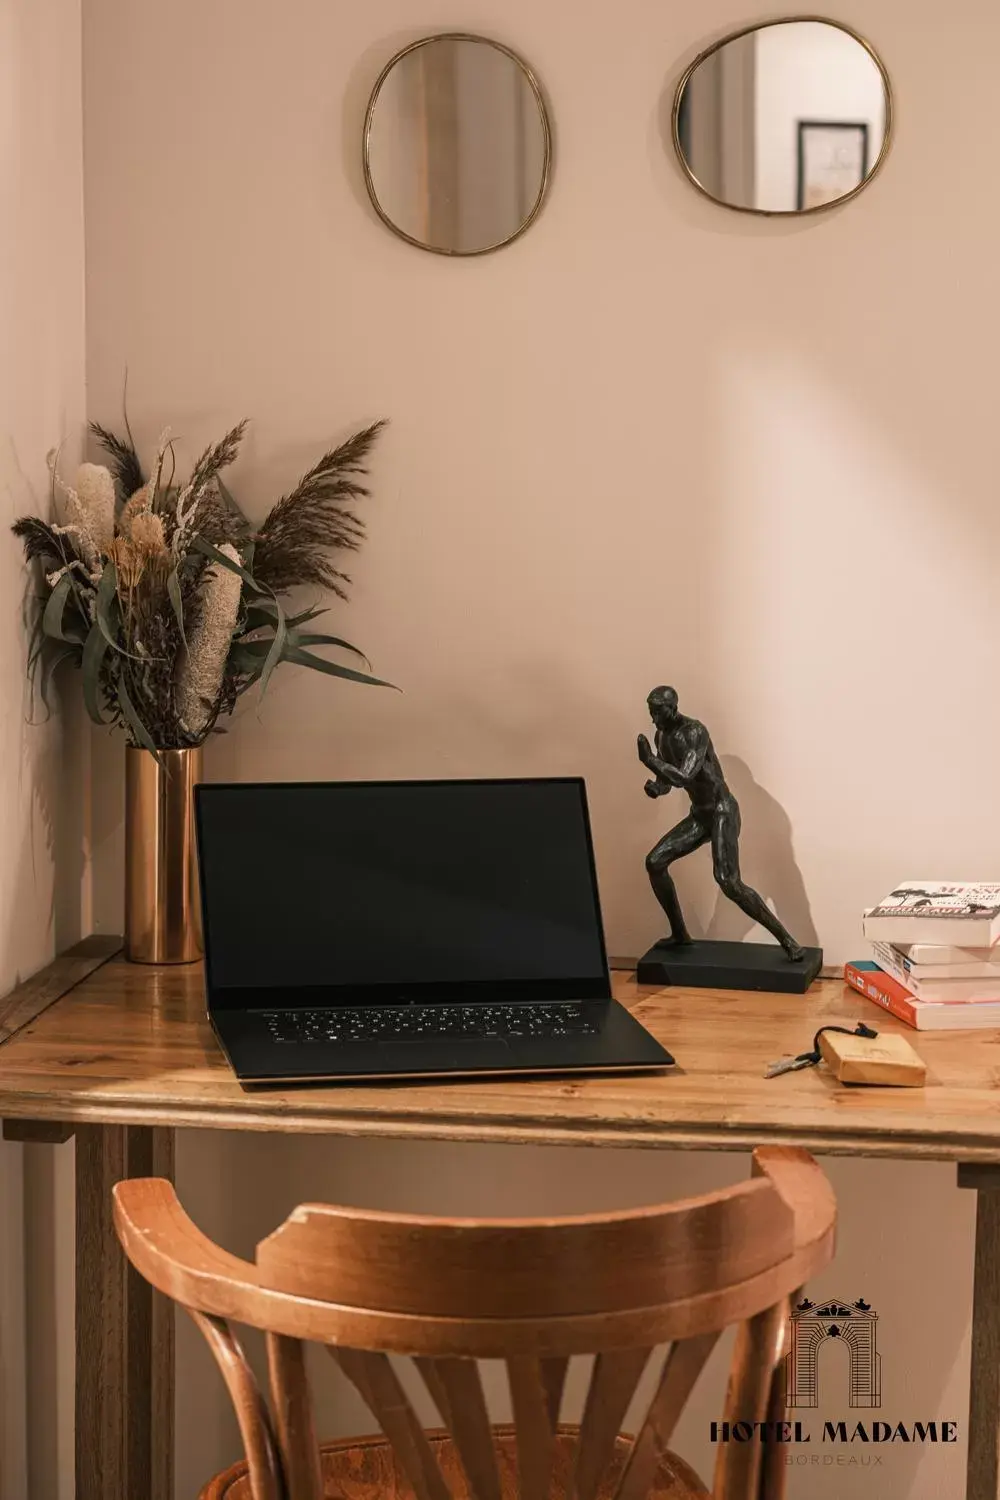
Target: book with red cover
point(924, 1015)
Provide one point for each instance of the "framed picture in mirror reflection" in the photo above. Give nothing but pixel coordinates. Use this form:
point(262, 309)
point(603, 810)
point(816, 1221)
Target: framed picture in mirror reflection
point(786, 117)
point(832, 160)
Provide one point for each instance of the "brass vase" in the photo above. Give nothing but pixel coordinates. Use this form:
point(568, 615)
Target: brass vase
point(162, 906)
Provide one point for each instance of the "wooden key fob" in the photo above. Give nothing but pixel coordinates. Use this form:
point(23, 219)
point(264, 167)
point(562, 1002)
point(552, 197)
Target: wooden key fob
point(885, 1059)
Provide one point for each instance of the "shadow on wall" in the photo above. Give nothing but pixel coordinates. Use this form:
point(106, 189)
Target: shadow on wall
point(526, 718)
point(44, 855)
point(42, 822)
point(768, 862)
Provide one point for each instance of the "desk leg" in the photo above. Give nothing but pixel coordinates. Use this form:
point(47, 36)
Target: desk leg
point(124, 1330)
point(983, 1472)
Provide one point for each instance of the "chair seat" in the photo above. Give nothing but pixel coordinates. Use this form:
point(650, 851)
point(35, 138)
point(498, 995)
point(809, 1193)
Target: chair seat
point(365, 1469)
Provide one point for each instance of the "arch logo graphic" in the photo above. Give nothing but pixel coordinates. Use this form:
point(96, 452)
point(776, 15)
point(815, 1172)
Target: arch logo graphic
point(854, 1324)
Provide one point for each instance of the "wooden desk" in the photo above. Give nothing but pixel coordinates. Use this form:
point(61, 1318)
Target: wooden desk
point(126, 1055)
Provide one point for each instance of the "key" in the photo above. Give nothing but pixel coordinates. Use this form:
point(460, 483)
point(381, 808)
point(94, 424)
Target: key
point(788, 1065)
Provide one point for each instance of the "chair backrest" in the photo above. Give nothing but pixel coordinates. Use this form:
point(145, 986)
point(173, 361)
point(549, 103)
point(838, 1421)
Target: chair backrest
point(532, 1293)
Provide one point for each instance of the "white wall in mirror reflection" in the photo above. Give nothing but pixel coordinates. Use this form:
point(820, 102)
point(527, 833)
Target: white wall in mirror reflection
point(744, 103)
point(808, 72)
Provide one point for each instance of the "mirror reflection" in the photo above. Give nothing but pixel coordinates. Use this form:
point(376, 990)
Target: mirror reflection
point(457, 145)
point(788, 117)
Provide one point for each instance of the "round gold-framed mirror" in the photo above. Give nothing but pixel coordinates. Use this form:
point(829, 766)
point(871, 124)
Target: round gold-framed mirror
point(787, 116)
point(457, 145)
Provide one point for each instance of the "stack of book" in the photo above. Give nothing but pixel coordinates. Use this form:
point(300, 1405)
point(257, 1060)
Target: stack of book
point(935, 956)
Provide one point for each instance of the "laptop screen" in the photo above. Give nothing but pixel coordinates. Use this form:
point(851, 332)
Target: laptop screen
point(360, 892)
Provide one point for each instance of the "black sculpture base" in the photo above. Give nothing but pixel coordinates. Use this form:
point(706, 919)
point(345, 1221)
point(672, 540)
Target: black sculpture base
point(707, 965)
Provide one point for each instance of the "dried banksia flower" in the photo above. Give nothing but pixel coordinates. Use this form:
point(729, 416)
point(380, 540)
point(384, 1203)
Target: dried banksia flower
point(160, 654)
point(129, 563)
point(204, 663)
point(147, 532)
point(75, 525)
point(134, 505)
point(95, 493)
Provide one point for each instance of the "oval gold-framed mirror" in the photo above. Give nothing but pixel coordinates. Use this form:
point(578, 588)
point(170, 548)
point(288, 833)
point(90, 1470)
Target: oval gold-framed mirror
point(457, 145)
point(788, 116)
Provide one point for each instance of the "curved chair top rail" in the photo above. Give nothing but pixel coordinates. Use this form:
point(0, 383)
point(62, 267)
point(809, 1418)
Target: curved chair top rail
point(500, 1288)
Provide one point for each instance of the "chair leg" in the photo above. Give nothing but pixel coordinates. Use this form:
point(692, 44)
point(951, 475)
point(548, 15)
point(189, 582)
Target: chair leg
point(743, 1469)
point(774, 1458)
point(124, 1330)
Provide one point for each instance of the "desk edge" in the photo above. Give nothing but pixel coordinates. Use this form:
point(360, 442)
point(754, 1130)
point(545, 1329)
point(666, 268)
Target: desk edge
point(953, 1147)
point(32, 996)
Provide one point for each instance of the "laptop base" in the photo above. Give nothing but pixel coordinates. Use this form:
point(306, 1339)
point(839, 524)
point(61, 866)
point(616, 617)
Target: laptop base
point(620, 1044)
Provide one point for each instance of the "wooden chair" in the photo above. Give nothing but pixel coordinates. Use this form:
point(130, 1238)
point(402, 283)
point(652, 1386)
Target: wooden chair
point(533, 1293)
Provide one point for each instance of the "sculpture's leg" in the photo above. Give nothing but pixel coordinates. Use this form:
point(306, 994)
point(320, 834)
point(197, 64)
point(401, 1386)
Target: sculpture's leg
point(726, 869)
point(683, 839)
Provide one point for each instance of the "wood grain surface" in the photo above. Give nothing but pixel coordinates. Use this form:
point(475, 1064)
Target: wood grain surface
point(131, 1044)
point(617, 1312)
point(887, 1059)
point(367, 1469)
point(171, 1252)
point(36, 994)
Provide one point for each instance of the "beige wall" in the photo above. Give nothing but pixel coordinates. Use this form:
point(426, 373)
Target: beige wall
point(652, 441)
point(41, 852)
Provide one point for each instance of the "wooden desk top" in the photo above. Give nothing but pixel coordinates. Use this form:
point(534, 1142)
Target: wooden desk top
point(131, 1044)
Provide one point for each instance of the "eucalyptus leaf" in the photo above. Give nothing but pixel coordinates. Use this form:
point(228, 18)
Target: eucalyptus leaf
point(48, 671)
point(199, 544)
point(251, 650)
point(257, 617)
point(276, 651)
point(95, 650)
point(294, 621)
point(263, 613)
point(174, 595)
point(248, 663)
point(136, 725)
point(107, 612)
point(36, 639)
point(301, 658)
point(53, 623)
point(317, 638)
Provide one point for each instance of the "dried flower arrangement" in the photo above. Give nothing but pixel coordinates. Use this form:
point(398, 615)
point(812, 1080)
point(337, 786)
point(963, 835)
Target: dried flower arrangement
point(169, 600)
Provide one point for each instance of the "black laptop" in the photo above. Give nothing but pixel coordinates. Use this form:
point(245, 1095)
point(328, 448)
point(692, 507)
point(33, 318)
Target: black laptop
point(416, 929)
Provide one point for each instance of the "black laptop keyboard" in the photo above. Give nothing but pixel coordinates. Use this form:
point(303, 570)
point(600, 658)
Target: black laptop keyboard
point(384, 1023)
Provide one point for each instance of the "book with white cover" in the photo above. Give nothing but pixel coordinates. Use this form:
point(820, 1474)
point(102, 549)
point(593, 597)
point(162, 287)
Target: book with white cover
point(945, 961)
point(933, 986)
point(965, 914)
